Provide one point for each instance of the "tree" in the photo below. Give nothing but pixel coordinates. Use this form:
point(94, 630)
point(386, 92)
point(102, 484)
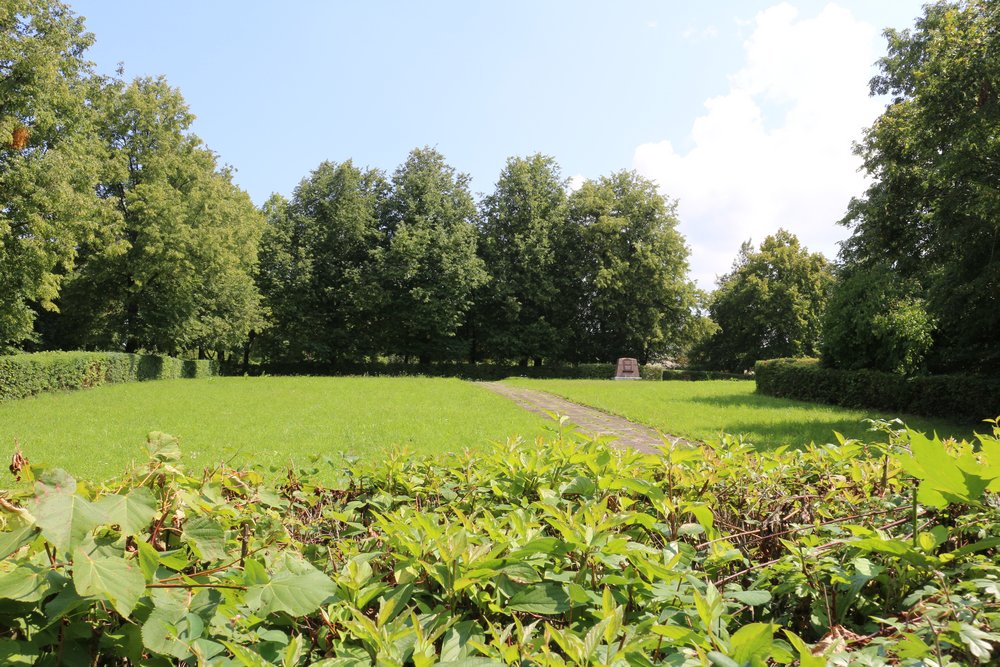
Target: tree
point(770, 305)
point(318, 265)
point(932, 214)
point(526, 309)
point(48, 159)
point(174, 269)
point(428, 263)
point(877, 320)
point(634, 296)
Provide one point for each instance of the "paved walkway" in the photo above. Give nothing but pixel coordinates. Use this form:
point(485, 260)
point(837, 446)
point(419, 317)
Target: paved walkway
point(588, 420)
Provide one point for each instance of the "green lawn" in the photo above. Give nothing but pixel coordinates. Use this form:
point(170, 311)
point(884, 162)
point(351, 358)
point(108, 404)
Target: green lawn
point(269, 421)
point(701, 410)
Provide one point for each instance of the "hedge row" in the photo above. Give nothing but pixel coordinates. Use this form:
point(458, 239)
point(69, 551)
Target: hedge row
point(963, 397)
point(459, 370)
point(27, 374)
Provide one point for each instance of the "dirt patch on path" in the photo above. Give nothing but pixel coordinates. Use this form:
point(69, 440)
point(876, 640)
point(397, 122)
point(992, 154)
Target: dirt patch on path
point(589, 420)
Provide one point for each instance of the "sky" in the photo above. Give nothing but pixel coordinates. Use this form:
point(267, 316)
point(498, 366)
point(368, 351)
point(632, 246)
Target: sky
point(744, 111)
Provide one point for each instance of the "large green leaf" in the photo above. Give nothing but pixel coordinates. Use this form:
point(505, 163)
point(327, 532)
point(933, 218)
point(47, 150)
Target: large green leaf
point(116, 580)
point(752, 642)
point(27, 584)
point(64, 517)
point(549, 598)
point(15, 539)
point(299, 589)
point(132, 511)
point(206, 536)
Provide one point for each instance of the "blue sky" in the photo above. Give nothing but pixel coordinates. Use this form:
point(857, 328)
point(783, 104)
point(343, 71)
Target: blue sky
point(742, 110)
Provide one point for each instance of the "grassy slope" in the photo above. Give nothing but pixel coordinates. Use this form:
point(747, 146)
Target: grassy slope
point(701, 410)
point(269, 421)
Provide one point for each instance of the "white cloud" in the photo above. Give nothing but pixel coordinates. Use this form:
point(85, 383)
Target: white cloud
point(775, 150)
point(576, 182)
point(653, 25)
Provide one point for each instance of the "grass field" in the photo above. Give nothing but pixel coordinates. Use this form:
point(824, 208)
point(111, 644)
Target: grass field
point(701, 410)
point(268, 421)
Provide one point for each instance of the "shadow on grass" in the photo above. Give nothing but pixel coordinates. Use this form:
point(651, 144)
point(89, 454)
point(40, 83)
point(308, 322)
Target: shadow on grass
point(812, 425)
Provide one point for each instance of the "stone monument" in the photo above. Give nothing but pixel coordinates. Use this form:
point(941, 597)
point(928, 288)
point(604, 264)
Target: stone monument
point(628, 369)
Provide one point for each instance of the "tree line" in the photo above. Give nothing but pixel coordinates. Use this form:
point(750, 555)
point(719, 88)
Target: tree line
point(119, 229)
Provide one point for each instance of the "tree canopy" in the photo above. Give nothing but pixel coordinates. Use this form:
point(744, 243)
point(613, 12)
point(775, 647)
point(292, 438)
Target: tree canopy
point(49, 159)
point(770, 305)
point(635, 297)
point(932, 214)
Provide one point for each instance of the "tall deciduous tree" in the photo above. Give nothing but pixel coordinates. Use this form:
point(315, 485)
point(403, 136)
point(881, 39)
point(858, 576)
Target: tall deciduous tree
point(48, 158)
point(428, 265)
point(176, 271)
point(526, 309)
point(932, 213)
point(635, 298)
point(770, 305)
point(318, 265)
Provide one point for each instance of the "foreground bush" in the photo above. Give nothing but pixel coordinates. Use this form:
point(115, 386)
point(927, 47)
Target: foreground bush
point(963, 397)
point(28, 374)
point(549, 553)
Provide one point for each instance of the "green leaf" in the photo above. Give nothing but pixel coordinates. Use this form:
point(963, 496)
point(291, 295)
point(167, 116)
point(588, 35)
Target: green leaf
point(64, 517)
point(548, 599)
point(116, 580)
point(245, 656)
point(163, 447)
point(722, 660)
point(149, 561)
point(752, 641)
point(27, 584)
point(13, 540)
point(752, 598)
point(132, 512)
point(298, 590)
point(979, 643)
point(206, 537)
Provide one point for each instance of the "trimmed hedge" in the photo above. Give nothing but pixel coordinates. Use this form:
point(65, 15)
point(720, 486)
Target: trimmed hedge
point(28, 374)
point(459, 370)
point(963, 397)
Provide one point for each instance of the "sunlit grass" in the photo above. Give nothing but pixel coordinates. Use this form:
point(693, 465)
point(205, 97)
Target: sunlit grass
point(702, 410)
point(269, 421)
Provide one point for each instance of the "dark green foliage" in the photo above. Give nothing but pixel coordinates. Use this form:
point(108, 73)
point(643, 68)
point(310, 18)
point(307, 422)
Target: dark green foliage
point(24, 375)
point(428, 267)
point(630, 272)
point(877, 320)
point(318, 272)
point(932, 214)
point(173, 271)
point(526, 241)
point(963, 397)
point(770, 305)
point(559, 552)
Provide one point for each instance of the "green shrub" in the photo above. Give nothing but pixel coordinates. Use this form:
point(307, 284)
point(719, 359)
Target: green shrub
point(553, 553)
point(964, 397)
point(24, 375)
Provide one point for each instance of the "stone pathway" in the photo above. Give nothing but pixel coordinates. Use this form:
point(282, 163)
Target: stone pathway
point(588, 420)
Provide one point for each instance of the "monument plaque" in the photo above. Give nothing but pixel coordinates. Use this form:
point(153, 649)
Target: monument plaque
point(628, 369)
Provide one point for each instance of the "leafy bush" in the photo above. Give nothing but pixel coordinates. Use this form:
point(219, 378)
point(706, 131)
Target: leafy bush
point(557, 552)
point(964, 397)
point(28, 374)
point(876, 321)
point(465, 371)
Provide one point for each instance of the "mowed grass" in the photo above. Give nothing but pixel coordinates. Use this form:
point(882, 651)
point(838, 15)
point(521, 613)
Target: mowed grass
point(267, 421)
point(704, 409)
